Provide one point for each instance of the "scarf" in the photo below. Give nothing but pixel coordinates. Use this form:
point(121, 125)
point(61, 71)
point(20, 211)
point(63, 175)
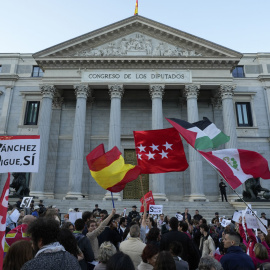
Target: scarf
point(51, 248)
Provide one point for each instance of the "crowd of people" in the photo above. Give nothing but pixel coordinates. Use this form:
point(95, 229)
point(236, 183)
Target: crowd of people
point(41, 239)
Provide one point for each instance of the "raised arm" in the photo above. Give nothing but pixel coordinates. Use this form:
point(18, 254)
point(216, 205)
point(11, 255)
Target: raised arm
point(144, 214)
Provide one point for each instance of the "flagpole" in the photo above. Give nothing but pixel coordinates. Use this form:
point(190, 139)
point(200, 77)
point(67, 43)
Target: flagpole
point(112, 200)
point(235, 192)
point(142, 187)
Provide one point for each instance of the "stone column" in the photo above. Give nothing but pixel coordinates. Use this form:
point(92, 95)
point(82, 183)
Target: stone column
point(157, 180)
point(226, 93)
point(195, 160)
point(77, 150)
point(116, 93)
point(5, 109)
point(44, 125)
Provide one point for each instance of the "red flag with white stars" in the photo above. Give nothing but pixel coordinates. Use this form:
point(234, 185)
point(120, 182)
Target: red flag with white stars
point(160, 151)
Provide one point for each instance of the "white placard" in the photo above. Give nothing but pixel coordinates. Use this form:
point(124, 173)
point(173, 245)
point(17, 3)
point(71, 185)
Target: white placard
point(225, 222)
point(155, 209)
point(19, 153)
point(251, 221)
point(248, 211)
point(14, 216)
point(125, 211)
point(236, 216)
point(73, 216)
point(263, 229)
point(137, 76)
point(179, 217)
point(26, 202)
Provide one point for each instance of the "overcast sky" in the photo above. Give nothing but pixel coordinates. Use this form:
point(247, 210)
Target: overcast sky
point(28, 26)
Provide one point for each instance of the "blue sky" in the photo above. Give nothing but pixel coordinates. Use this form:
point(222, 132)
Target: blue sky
point(28, 26)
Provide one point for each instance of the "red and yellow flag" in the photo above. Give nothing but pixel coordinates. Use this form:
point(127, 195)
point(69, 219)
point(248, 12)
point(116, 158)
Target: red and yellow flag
point(109, 169)
point(136, 8)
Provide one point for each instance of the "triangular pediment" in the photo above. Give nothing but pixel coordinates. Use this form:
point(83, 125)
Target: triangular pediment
point(133, 38)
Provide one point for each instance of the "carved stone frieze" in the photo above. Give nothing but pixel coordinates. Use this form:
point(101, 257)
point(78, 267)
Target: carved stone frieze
point(157, 91)
point(82, 91)
point(116, 91)
point(137, 44)
point(226, 91)
point(48, 91)
point(57, 102)
point(192, 91)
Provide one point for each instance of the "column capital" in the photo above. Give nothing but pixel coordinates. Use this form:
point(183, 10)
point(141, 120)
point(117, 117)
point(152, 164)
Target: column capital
point(48, 91)
point(156, 90)
point(116, 90)
point(192, 91)
point(57, 102)
point(216, 102)
point(82, 91)
point(226, 91)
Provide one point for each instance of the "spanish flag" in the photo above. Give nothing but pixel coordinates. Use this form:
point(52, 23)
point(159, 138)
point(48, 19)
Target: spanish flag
point(136, 8)
point(109, 169)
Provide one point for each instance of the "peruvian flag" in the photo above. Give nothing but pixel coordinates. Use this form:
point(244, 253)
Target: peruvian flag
point(3, 217)
point(160, 151)
point(237, 165)
point(149, 199)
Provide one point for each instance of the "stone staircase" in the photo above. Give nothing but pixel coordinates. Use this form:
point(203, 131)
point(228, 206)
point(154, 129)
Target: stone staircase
point(206, 209)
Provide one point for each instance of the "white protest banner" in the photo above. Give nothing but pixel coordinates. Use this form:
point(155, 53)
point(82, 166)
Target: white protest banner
point(14, 216)
point(26, 202)
point(225, 222)
point(73, 216)
point(236, 216)
point(263, 229)
point(155, 209)
point(179, 217)
point(251, 221)
point(19, 153)
point(248, 209)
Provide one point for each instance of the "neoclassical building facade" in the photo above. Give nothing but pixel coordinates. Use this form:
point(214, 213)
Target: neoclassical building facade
point(101, 86)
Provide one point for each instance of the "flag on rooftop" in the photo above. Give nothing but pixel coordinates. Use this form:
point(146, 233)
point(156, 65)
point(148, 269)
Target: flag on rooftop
point(136, 8)
point(160, 151)
point(237, 165)
point(192, 134)
point(109, 169)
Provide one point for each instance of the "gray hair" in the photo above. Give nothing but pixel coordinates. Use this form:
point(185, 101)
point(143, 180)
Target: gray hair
point(107, 249)
point(134, 231)
point(209, 263)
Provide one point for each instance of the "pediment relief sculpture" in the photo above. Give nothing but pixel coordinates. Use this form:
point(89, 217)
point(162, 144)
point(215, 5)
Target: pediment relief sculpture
point(137, 44)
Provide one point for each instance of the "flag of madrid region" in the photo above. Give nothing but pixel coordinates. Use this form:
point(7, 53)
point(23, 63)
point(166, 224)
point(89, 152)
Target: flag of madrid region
point(237, 165)
point(149, 199)
point(160, 151)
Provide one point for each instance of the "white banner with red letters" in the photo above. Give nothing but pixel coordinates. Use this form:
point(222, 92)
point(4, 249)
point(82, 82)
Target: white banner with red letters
point(19, 153)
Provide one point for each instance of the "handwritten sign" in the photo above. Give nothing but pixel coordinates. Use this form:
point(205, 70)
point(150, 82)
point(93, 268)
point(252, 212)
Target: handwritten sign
point(236, 216)
point(225, 222)
point(14, 216)
point(179, 217)
point(155, 209)
point(26, 202)
point(251, 221)
point(73, 216)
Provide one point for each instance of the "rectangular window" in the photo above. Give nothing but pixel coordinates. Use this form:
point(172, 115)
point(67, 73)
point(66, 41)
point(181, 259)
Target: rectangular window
point(31, 113)
point(37, 72)
point(244, 117)
point(238, 72)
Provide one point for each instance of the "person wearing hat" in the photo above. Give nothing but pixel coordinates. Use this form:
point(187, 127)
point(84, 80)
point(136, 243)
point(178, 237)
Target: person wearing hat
point(133, 214)
point(35, 212)
point(96, 210)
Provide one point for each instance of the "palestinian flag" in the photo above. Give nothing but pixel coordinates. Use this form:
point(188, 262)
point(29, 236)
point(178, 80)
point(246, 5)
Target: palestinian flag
point(192, 134)
point(210, 129)
point(237, 165)
point(109, 169)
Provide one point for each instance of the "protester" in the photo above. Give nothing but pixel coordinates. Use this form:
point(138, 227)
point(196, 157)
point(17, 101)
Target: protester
point(50, 254)
point(176, 250)
point(96, 210)
point(207, 244)
point(209, 263)
point(149, 257)
point(165, 227)
point(120, 261)
point(18, 254)
point(153, 237)
point(186, 215)
point(133, 246)
point(165, 261)
point(107, 250)
point(133, 214)
point(261, 253)
point(197, 216)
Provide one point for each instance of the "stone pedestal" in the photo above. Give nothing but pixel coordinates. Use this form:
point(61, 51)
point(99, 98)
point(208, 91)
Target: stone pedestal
point(158, 180)
point(77, 150)
point(195, 161)
point(44, 125)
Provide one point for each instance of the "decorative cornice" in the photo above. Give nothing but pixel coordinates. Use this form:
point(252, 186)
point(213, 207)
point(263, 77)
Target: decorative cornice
point(82, 91)
point(48, 91)
point(192, 91)
point(116, 91)
point(9, 77)
point(156, 91)
point(226, 91)
point(57, 102)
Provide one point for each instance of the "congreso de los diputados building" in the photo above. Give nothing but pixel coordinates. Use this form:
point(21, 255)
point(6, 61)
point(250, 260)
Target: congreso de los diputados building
point(127, 76)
